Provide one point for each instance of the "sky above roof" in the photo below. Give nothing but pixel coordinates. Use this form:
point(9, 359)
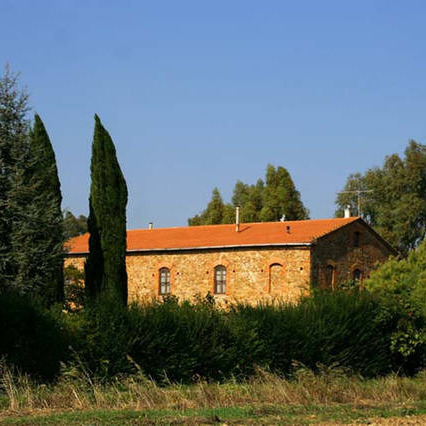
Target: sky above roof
point(199, 94)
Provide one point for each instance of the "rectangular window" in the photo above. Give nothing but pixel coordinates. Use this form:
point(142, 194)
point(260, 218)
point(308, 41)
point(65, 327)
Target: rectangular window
point(220, 279)
point(164, 281)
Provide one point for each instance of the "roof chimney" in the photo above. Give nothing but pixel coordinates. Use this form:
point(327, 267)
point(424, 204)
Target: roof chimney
point(288, 229)
point(150, 225)
point(237, 219)
point(347, 211)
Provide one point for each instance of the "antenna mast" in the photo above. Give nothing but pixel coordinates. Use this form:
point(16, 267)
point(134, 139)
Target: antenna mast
point(358, 193)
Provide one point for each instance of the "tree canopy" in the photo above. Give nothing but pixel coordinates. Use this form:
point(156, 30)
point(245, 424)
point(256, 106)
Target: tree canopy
point(31, 237)
point(74, 226)
point(396, 202)
point(260, 202)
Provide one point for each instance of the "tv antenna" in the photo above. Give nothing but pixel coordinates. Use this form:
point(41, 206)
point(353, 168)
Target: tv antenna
point(359, 193)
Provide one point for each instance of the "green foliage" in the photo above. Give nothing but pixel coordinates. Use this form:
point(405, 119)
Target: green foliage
point(74, 226)
point(32, 339)
point(259, 202)
point(326, 329)
point(105, 268)
point(397, 206)
point(37, 233)
point(14, 145)
point(31, 237)
point(101, 338)
point(401, 286)
point(184, 342)
point(74, 288)
point(172, 341)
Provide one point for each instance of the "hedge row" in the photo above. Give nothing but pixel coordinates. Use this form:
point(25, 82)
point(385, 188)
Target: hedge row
point(172, 341)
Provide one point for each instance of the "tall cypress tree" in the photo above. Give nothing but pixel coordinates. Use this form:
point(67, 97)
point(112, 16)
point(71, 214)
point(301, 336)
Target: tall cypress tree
point(105, 268)
point(37, 232)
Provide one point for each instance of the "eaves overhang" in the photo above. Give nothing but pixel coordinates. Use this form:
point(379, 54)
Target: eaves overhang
point(170, 249)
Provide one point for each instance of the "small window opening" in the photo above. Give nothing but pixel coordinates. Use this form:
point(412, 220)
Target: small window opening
point(220, 279)
point(329, 276)
point(164, 287)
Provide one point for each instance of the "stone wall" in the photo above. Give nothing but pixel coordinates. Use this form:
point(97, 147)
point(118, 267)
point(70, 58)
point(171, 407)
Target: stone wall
point(255, 274)
point(340, 250)
point(248, 277)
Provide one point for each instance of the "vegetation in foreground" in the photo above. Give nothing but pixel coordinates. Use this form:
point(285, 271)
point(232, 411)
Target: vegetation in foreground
point(172, 341)
point(310, 398)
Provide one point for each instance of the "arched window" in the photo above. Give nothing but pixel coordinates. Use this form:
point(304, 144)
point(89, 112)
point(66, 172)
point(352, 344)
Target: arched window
point(164, 281)
point(329, 276)
point(275, 278)
point(357, 275)
point(220, 279)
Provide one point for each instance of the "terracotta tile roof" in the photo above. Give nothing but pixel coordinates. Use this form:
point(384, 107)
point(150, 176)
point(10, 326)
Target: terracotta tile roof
point(209, 236)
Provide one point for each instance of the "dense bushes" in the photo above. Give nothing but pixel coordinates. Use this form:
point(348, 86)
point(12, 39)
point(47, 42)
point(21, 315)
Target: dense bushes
point(31, 338)
point(183, 341)
point(328, 328)
point(400, 285)
point(172, 341)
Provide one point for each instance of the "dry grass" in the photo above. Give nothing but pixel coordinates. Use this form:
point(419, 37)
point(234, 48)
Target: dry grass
point(19, 395)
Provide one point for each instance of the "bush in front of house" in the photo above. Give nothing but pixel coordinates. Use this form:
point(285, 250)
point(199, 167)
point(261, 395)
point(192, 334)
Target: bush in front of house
point(326, 329)
point(33, 339)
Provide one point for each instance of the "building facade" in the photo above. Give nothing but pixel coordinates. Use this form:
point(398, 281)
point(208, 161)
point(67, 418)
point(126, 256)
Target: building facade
point(247, 262)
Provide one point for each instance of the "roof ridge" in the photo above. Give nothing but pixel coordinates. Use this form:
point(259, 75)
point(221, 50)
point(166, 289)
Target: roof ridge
point(245, 223)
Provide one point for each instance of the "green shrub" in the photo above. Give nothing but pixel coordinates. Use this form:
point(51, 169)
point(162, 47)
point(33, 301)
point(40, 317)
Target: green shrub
point(184, 342)
point(401, 287)
point(326, 329)
point(33, 339)
point(100, 338)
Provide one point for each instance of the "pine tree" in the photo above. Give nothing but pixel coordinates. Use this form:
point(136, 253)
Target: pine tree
point(281, 197)
point(14, 145)
point(258, 202)
point(214, 212)
point(105, 268)
point(74, 226)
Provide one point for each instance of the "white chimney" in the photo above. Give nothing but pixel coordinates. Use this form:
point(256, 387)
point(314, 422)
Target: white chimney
point(347, 211)
point(150, 225)
point(237, 219)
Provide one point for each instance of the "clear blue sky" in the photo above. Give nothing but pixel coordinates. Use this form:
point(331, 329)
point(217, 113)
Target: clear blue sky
point(197, 94)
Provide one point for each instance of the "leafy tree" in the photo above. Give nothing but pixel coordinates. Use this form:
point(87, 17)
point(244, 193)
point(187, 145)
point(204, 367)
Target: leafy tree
point(14, 145)
point(37, 233)
point(258, 202)
point(396, 203)
point(105, 268)
point(401, 285)
point(74, 226)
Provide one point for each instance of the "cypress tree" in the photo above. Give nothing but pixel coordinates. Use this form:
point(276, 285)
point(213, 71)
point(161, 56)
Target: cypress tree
point(105, 268)
point(37, 233)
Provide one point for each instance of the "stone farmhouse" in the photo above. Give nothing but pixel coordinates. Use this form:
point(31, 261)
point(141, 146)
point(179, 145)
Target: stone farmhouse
point(245, 262)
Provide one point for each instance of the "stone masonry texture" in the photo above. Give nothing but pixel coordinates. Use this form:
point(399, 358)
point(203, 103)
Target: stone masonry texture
point(257, 273)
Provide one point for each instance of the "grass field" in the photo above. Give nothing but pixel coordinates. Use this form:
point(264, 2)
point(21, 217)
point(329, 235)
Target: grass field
point(266, 414)
point(330, 397)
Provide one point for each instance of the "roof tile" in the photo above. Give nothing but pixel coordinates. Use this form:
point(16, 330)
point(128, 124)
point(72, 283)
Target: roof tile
point(210, 236)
